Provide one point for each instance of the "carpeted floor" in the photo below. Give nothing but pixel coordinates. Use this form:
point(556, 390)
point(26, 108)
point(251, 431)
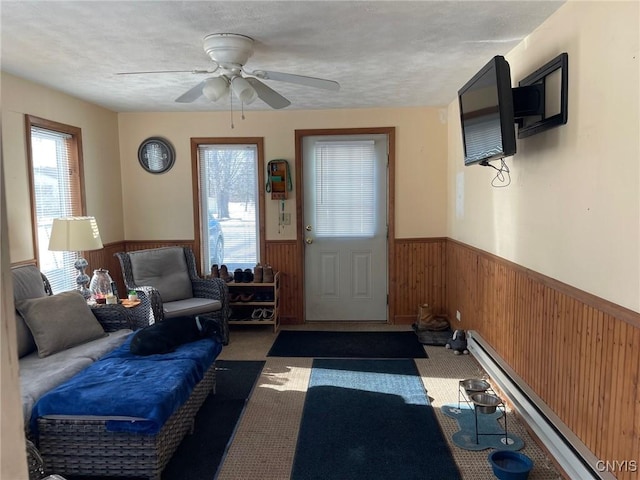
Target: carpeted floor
point(264, 444)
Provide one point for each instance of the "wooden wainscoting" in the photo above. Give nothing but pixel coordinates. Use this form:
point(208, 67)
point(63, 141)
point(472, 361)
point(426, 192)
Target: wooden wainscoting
point(420, 273)
point(578, 352)
point(420, 277)
point(283, 256)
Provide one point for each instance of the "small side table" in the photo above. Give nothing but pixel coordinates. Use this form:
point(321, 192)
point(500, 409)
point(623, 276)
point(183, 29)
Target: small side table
point(129, 309)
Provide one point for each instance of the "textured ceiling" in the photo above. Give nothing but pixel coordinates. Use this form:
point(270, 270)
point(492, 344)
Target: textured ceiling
point(383, 54)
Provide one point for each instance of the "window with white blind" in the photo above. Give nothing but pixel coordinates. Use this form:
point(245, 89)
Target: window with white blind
point(229, 206)
point(345, 200)
point(56, 191)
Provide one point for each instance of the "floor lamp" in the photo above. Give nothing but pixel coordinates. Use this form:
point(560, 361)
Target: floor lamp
point(76, 234)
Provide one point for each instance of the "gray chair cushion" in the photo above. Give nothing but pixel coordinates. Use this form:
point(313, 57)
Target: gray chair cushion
point(190, 306)
point(165, 269)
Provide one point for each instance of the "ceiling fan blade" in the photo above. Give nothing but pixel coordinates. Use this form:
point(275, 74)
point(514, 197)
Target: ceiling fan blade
point(299, 79)
point(267, 94)
point(167, 71)
point(192, 94)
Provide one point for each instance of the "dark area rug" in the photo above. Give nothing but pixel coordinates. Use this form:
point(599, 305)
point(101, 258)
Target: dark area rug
point(370, 420)
point(321, 344)
point(200, 454)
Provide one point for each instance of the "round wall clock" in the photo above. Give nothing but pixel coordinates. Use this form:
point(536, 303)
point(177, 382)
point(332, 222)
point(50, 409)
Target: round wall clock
point(156, 155)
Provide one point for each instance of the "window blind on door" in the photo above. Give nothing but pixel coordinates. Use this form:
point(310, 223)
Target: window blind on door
point(345, 201)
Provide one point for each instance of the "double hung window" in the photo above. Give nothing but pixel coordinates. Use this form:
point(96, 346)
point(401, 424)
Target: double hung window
point(55, 162)
point(229, 202)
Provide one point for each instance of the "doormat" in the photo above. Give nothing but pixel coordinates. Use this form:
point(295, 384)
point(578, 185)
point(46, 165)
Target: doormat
point(369, 420)
point(322, 344)
point(491, 432)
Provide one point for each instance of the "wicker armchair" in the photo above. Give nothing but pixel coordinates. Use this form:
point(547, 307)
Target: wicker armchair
point(169, 278)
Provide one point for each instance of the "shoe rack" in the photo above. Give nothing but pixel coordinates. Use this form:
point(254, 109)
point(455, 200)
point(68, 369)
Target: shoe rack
point(255, 303)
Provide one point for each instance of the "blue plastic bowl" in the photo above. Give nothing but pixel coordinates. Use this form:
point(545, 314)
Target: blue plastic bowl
point(509, 465)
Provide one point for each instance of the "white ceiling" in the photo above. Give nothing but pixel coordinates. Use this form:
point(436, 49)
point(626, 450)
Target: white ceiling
point(383, 54)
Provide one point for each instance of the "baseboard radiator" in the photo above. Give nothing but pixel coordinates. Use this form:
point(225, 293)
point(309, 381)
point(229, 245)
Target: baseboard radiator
point(577, 461)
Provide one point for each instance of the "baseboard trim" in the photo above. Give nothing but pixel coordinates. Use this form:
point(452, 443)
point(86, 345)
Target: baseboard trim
point(570, 453)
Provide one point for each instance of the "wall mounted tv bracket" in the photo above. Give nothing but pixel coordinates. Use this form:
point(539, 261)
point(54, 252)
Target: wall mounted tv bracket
point(538, 92)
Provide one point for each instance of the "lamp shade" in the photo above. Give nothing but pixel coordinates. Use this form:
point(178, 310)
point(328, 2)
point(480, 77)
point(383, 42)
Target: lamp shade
point(214, 88)
point(74, 234)
point(243, 90)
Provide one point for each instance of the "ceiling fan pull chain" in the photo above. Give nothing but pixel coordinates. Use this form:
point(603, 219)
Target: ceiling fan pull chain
point(231, 109)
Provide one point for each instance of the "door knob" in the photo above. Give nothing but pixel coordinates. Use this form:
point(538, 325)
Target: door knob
point(308, 240)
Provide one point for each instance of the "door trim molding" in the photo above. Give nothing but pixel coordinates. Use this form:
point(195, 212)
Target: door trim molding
point(390, 132)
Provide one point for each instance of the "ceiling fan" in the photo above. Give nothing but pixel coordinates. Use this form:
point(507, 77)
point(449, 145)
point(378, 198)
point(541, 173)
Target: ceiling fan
point(230, 52)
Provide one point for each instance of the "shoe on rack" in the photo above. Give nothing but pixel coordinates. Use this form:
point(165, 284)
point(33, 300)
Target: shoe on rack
point(237, 275)
point(215, 273)
point(246, 297)
point(234, 297)
point(224, 273)
point(267, 274)
point(247, 275)
point(257, 313)
point(267, 314)
point(257, 274)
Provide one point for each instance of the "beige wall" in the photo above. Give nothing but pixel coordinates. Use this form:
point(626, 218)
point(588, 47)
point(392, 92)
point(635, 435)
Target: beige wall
point(572, 211)
point(160, 206)
point(100, 151)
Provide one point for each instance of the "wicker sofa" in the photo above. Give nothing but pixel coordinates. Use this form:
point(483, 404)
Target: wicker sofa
point(49, 358)
point(52, 356)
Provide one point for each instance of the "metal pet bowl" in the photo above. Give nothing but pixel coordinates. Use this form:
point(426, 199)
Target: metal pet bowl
point(485, 402)
point(474, 385)
point(510, 465)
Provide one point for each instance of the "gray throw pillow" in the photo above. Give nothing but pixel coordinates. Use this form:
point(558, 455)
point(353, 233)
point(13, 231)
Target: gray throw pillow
point(59, 321)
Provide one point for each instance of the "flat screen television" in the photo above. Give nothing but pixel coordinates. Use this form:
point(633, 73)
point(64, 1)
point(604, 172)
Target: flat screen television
point(487, 114)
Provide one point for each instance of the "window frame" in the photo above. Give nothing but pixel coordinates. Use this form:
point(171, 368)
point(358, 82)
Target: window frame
point(75, 156)
point(195, 177)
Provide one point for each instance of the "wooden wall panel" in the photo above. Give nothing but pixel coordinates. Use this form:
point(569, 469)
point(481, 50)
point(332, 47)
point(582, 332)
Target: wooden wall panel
point(420, 278)
point(284, 257)
point(578, 352)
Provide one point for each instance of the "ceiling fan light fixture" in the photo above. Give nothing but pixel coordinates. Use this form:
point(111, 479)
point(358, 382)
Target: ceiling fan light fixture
point(214, 88)
point(243, 90)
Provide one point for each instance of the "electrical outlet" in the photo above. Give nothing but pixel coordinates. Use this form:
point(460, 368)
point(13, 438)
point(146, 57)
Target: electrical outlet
point(286, 219)
point(458, 316)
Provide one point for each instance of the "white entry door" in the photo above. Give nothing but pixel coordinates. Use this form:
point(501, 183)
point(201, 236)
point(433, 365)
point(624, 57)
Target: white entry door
point(345, 223)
